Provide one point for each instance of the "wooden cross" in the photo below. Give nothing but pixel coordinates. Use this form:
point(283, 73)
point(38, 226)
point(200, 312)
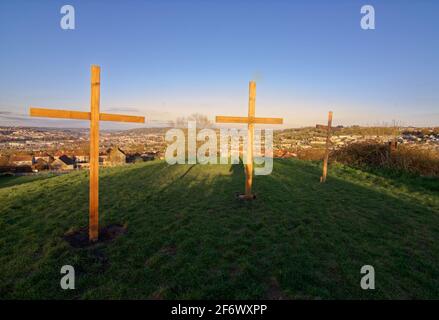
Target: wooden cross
point(328, 142)
point(94, 116)
point(251, 120)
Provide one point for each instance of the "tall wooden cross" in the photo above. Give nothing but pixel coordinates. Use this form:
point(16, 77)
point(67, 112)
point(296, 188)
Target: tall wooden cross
point(328, 142)
point(94, 116)
point(251, 120)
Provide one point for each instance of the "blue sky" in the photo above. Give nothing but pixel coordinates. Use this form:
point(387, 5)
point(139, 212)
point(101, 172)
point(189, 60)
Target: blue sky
point(165, 59)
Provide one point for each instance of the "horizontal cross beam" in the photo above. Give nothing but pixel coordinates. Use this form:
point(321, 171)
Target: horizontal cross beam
point(227, 119)
point(80, 115)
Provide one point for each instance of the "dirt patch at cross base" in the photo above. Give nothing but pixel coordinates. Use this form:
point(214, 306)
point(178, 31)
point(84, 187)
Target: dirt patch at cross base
point(79, 238)
point(243, 197)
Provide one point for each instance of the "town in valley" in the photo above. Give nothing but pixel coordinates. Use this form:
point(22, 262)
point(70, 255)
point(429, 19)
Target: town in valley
point(29, 150)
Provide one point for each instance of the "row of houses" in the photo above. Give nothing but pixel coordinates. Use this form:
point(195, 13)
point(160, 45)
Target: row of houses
point(70, 160)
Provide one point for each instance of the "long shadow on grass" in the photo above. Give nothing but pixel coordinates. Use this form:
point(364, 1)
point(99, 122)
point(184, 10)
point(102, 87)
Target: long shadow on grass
point(311, 238)
point(19, 180)
point(299, 239)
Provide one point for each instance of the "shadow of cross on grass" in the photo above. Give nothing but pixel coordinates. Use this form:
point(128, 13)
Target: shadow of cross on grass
point(8, 181)
point(197, 241)
point(321, 235)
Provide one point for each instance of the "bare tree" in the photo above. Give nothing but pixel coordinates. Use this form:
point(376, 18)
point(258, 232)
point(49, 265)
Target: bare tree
point(181, 122)
point(201, 120)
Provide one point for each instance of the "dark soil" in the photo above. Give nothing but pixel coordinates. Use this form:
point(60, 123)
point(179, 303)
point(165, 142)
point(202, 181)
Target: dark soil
point(242, 196)
point(79, 238)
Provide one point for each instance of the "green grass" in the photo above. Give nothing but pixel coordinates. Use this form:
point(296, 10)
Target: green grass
point(8, 181)
point(188, 237)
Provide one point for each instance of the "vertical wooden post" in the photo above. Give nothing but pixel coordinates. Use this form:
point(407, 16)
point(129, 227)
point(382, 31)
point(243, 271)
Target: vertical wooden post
point(94, 116)
point(250, 136)
point(328, 142)
point(94, 154)
point(251, 120)
point(393, 146)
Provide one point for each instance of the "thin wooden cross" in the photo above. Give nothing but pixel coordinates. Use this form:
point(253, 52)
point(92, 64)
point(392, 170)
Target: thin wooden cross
point(94, 116)
point(328, 142)
point(251, 120)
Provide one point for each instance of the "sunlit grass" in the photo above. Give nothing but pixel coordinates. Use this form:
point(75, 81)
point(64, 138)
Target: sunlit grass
point(188, 237)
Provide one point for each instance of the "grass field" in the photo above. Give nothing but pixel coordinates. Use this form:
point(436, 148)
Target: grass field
point(188, 237)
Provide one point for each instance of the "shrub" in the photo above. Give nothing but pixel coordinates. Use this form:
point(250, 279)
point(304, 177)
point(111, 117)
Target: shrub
point(310, 154)
point(414, 159)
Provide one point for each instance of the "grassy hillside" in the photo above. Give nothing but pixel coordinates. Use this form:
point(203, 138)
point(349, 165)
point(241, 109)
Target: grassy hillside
point(188, 237)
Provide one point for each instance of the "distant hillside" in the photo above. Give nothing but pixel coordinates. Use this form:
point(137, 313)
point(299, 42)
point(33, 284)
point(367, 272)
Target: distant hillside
point(188, 237)
point(143, 131)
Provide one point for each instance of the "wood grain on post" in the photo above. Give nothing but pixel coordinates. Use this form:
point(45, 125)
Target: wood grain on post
point(120, 118)
point(227, 119)
point(81, 115)
point(251, 120)
point(250, 137)
point(94, 117)
point(94, 154)
point(62, 114)
point(328, 142)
